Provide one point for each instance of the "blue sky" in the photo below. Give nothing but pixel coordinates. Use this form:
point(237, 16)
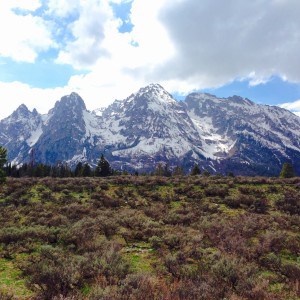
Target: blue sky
point(107, 49)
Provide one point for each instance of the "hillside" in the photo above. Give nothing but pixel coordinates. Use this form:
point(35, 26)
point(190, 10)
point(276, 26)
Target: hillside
point(150, 238)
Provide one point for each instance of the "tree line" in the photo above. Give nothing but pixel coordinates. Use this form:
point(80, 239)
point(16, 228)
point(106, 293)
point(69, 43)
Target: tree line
point(102, 169)
point(61, 170)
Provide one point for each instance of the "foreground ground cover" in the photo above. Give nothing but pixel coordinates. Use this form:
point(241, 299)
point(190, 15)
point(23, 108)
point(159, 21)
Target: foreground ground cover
point(135, 237)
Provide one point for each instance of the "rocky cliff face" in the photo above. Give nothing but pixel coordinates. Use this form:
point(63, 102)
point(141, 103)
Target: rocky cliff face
point(255, 139)
point(19, 132)
point(149, 126)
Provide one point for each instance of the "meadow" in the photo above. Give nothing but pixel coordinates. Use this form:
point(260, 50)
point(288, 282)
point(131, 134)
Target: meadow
point(150, 237)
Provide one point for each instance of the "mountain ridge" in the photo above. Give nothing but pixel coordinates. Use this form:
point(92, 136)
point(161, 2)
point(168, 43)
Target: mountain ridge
point(221, 134)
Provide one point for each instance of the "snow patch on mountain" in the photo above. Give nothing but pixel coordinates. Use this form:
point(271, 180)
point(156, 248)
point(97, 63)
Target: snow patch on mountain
point(35, 135)
point(91, 126)
point(214, 145)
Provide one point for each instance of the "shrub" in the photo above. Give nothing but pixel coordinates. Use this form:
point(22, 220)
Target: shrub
point(260, 206)
point(290, 202)
point(156, 242)
point(53, 272)
point(215, 191)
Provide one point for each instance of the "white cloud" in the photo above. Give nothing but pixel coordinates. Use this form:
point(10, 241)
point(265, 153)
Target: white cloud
point(95, 95)
point(16, 93)
point(183, 44)
point(218, 41)
point(97, 39)
point(62, 8)
point(23, 36)
point(292, 106)
point(30, 5)
point(88, 32)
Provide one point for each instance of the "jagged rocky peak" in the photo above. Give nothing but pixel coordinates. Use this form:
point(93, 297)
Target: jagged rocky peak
point(35, 112)
point(22, 110)
point(70, 102)
point(23, 114)
point(199, 101)
point(240, 100)
point(201, 96)
point(153, 92)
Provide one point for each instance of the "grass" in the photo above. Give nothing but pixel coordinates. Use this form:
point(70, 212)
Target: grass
point(140, 256)
point(10, 280)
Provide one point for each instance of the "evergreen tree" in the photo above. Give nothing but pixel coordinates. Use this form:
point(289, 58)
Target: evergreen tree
point(159, 170)
point(206, 173)
point(103, 168)
point(3, 160)
point(62, 170)
point(178, 171)
point(39, 171)
point(167, 171)
point(195, 170)
point(86, 170)
point(8, 170)
point(78, 169)
point(287, 171)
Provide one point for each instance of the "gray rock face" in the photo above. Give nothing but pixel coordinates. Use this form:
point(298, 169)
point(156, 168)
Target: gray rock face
point(63, 131)
point(149, 126)
point(17, 132)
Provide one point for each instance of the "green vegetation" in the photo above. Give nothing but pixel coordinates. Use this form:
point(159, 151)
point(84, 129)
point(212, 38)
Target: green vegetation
point(11, 282)
point(103, 168)
point(287, 171)
point(195, 170)
point(3, 159)
point(138, 237)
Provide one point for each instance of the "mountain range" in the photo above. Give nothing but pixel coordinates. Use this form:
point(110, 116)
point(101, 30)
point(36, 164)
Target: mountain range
point(220, 134)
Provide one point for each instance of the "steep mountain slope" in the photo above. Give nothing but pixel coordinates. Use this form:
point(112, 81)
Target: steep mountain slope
point(19, 132)
point(63, 131)
point(245, 135)
point(150, 126)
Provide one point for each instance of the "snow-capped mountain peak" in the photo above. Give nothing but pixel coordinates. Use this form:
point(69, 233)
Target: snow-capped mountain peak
point(72, 101)
point(21, 112)
point(153, 93)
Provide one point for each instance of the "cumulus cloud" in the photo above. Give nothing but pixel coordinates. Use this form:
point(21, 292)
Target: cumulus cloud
point(62, 8)
point(30, 5)
point(292, 106)
point(17, 93)
point(88, 33)
point(23, 36)
point(218, 41)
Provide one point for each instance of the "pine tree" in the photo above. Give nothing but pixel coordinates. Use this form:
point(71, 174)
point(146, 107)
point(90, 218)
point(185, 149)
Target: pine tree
point(159, 170)
point(78, 169)
point(3, 160)
point(103, 168)
point(287, 171)
point(206, 173)
point(39, 171)
point(86, 170)
point(167, 171)
point(178, 171)
point(196, 170)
